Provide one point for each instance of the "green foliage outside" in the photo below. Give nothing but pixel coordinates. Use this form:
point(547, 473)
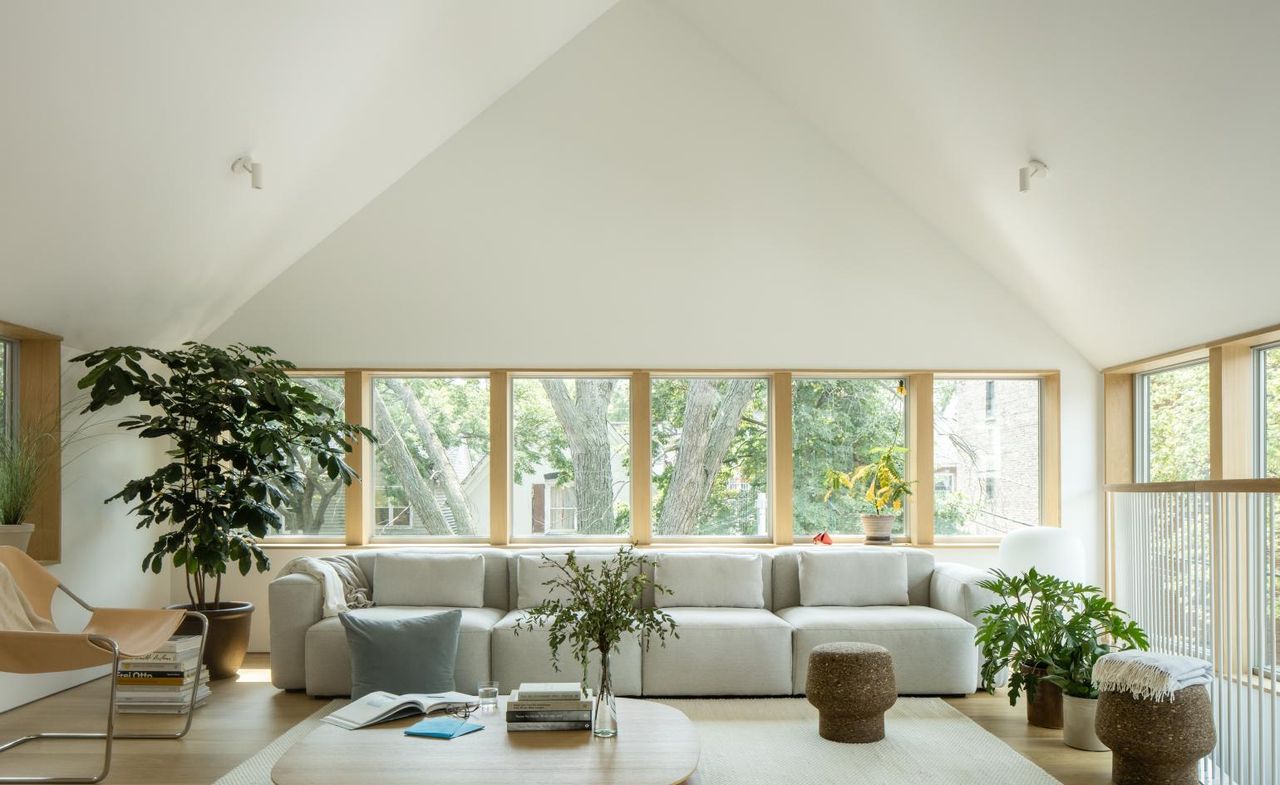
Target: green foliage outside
point(1271, 406)
point(1178, 424)
point(840, 424)
point(4, 389)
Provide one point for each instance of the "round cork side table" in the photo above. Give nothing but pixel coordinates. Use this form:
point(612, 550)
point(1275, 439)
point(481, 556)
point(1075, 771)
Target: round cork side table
point(1156, 742)
point(852, 686)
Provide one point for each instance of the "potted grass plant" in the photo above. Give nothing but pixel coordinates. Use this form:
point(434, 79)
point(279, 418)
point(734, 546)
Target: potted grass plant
point(878, 484)
point(22, 459)
point(601, 604)
point(233, 420)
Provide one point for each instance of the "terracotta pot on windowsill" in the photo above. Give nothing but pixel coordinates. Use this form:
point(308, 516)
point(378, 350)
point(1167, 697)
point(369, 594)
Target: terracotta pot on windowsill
point(878, 529)
point(17, 535)
point(1046, 710)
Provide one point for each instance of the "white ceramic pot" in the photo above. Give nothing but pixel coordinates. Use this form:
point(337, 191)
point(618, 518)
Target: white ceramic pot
point(1078, 724)
point(878, 529)
point(17, 536)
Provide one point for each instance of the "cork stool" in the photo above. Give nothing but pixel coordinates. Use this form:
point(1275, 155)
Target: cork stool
point(852, 686)
point(1156, 742)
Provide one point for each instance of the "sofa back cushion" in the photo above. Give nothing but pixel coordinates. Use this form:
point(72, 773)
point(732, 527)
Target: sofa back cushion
point(453, 580)
point(853, 577)
point(786, 573)
point(531, 572)
point(710, 580)
point(497, 590)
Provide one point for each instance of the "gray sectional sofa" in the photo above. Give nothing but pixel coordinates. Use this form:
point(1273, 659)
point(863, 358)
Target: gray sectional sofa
point(747, 618)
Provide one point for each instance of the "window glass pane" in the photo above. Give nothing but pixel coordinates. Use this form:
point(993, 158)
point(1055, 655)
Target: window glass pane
point(432, 467)
point(319, 508)
point(986, 465)
point(710, 457)
point(840, 424)
point(1270, 367)
point(4, 389)
point(1176, 420)
point(571, 441)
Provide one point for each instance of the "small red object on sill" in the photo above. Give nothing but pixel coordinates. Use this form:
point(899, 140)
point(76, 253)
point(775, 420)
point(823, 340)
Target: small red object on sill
point(822, 539)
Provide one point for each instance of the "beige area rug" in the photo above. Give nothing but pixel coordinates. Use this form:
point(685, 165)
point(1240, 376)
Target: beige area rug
point(257, 770)
point(768, 741)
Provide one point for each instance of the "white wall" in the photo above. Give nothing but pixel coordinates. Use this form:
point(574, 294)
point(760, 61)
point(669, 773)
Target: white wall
point(101, 550)
point(639, 201)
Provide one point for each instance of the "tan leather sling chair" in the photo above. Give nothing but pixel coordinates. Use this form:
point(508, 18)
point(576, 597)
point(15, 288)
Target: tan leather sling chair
point(111, 634)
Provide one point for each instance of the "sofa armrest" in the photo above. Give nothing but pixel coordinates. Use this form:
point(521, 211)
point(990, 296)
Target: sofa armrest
point(296, 603)
point(954, 588)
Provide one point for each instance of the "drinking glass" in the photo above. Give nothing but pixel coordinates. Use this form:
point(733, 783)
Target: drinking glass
point(487, 691)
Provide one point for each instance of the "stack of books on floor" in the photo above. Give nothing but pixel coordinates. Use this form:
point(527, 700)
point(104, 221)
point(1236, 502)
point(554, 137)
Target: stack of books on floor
point(553, 706)
point(161, 682)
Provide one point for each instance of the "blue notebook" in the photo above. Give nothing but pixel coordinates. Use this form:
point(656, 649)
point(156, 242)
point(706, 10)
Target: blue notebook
point(443, 728)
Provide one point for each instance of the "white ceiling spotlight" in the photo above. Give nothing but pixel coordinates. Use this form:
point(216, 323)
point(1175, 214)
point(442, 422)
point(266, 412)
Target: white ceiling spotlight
point(1034, 168)
point(251, 167)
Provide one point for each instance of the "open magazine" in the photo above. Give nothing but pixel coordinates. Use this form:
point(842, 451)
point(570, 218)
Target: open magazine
point(379, 707)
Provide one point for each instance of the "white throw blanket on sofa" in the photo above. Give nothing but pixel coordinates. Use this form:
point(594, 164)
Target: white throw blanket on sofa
point(344, 583)
point(1149, 675)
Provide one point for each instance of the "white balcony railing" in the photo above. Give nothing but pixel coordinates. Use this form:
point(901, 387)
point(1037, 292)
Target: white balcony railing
point(1196, 565)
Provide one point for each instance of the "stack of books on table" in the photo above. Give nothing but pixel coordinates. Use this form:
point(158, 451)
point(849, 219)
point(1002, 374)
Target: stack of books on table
point(161, 682)
point(553, 706)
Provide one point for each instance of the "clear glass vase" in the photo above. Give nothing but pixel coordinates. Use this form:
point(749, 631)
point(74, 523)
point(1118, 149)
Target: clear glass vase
point(604, 720)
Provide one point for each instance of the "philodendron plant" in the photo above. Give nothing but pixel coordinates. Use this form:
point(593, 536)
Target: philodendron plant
point(1048, 628)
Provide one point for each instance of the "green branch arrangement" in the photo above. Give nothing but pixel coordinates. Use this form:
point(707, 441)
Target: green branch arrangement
point(603, 604)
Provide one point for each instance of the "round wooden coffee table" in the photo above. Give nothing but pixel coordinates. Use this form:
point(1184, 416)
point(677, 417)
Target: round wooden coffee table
point(655, 745)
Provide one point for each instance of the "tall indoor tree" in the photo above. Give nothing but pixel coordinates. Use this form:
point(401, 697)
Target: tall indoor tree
point(235, 423)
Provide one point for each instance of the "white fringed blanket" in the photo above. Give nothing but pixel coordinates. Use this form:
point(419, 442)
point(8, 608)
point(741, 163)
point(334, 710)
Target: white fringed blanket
point(1149, 675)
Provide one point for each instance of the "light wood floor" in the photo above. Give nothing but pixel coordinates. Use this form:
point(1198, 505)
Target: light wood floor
point(243, 716)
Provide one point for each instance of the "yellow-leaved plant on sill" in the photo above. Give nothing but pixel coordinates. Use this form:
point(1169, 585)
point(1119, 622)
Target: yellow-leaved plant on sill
point(879, 484)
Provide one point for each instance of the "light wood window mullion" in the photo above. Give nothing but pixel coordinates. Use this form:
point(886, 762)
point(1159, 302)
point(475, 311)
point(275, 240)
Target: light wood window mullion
point(499, 458)
point(920, 457)
point(781, 461)
point(641, 458)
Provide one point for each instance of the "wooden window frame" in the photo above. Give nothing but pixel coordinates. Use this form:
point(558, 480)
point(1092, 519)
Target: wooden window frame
point(1234, 412)
point(1050, 406)
point(918, 411)
point(39, 407)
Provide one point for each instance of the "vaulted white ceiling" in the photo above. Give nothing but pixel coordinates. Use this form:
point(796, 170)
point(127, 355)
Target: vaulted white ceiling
point(1157, 119)
point(120, 219)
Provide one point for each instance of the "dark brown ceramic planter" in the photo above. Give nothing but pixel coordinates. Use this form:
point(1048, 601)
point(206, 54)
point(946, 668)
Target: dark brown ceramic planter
point(228, 636)
point(1046, 710)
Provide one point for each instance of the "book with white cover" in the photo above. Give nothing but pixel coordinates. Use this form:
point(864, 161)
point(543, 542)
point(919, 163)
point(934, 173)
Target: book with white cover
point(518, 702)
point(550, 691)
point(379, 707)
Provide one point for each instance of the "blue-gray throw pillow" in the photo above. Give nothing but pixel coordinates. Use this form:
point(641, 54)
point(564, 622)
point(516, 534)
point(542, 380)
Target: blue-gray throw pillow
point(402, 655)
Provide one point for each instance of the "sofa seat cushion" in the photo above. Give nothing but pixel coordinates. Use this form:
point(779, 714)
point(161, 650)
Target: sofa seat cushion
point(721, 651)
point(933, 651)
point(327, 660)
point(527, 657)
